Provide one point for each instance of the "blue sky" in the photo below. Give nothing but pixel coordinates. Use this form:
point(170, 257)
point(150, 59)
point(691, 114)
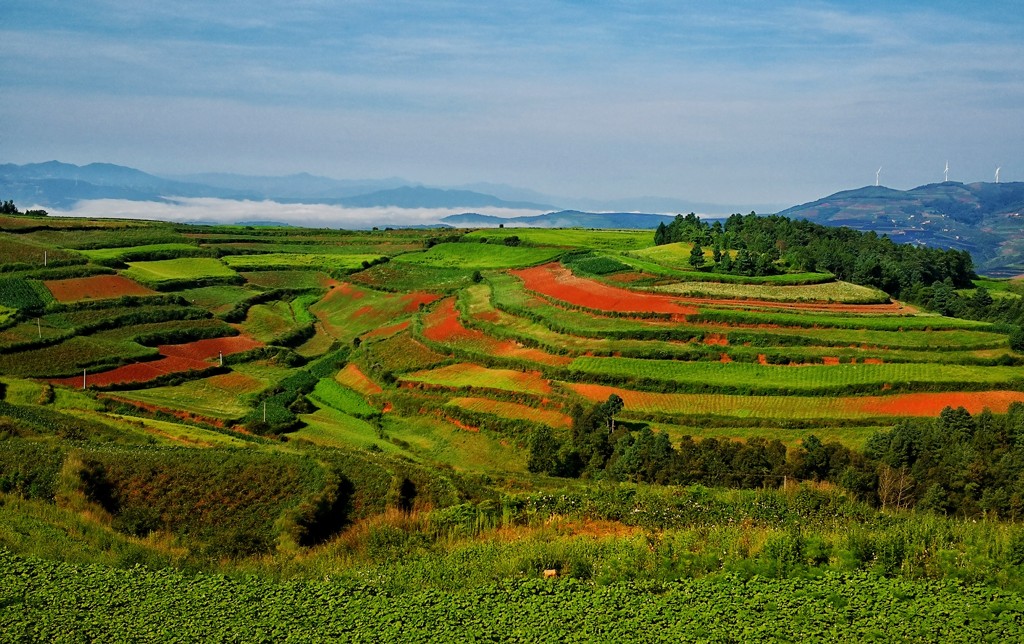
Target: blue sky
point(747, 102)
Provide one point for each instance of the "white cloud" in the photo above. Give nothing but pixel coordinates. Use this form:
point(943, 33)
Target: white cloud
point(226, 211)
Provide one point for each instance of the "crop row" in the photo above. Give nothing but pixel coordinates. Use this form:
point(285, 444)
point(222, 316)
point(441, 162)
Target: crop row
point(509, 296)
point(47, 601)
point(817, 379)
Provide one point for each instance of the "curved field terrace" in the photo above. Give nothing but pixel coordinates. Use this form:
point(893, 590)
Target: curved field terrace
point(178, 358)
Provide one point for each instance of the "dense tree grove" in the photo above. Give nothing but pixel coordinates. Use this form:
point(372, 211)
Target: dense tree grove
point(9, 208)
point(957, 463)
point(764, 245)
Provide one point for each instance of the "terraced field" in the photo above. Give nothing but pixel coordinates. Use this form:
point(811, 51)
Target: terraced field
point(418, 329)
point(373, 418)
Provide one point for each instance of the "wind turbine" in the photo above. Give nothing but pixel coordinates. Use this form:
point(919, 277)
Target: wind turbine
point(877, 175)
point(997, 173)
point(947, 172)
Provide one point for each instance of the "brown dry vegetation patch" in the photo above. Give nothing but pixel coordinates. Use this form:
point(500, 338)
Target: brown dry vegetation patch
point(386, 331)
point(353, 378)
point(236, 382)
point(559, 283)
point(177, 413)
point(594, 528)
point(97, 287)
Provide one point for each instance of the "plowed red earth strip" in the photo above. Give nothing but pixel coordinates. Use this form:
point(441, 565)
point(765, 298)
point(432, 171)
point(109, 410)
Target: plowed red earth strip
point(178, 358)
point(931, 404)
point(558, 282)
point(97, 287)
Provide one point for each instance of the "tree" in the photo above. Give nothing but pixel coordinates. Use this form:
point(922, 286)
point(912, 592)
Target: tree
point(1017, 340)
point(697, 256)
point(661, 235)
point(544, 449)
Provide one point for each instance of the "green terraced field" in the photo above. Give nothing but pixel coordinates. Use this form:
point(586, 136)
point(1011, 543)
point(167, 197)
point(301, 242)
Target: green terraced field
point(467, 255)
point(819, 378)
point(320, 261)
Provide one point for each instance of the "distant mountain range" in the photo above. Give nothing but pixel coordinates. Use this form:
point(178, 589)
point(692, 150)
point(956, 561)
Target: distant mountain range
point(59, 186)
point(986, 219)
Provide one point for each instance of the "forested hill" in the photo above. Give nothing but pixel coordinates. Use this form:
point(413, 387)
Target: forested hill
point(983, 218)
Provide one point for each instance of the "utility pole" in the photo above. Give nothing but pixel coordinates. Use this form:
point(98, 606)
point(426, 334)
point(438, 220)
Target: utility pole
point(83, 379)
point(39, 328)
point(264, 411)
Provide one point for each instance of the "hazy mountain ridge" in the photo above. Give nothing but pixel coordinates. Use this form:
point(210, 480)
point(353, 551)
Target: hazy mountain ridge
point(47, 185)
point(983, 218)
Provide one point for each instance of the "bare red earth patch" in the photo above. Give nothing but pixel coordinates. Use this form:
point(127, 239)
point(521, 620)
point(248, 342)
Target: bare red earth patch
point(716, 339)
point(559, 283)
point(931, 404)
point(414, 300)
point(97, 287)
point(830, 360)
point(210, 348)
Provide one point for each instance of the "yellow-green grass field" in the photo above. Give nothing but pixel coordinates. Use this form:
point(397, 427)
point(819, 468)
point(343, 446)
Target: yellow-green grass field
point(166, 270)
point(842, 292)
point(570, 237)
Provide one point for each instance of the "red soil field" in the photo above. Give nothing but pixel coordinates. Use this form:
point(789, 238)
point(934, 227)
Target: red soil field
point(97, 287)
point(178, 358)
point(443, 325)
point(716, 339)
point(415, 299)
point(558, 282)
point(930, 404)
point(343, 289)
point(207, 349)
point(830, 360)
